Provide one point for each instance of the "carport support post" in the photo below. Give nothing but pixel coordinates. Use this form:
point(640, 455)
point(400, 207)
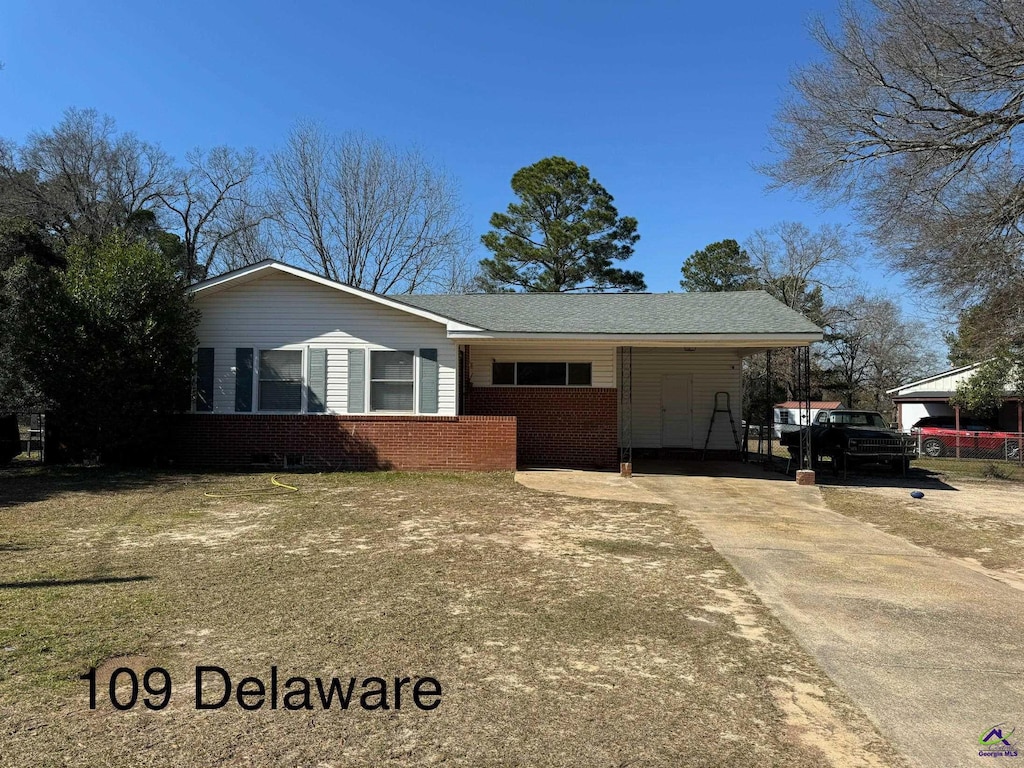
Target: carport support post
point(805, 472)
point(625, 411)
point(770, 416)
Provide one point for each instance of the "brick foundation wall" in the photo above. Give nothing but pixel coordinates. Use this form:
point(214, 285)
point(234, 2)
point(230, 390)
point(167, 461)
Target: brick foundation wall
point(346, 442)
point(557, 426)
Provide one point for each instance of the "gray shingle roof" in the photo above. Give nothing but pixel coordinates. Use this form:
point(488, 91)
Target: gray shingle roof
point(740, 312)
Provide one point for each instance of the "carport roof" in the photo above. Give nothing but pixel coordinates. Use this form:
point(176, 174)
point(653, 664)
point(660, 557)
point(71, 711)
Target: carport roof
point(934, 394)
point(739, 312)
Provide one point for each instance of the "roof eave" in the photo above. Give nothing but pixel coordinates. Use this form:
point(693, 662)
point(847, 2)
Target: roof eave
point(652, 339)
point(933, 377)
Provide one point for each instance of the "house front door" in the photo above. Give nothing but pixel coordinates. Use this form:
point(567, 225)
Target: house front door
point(676, 411)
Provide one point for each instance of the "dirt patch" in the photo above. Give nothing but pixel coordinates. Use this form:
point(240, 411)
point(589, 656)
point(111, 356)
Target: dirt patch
point(820, 722)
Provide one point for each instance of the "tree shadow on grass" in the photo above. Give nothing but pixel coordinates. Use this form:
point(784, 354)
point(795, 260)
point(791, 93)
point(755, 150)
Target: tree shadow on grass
point(24, 485)
point(45, 583)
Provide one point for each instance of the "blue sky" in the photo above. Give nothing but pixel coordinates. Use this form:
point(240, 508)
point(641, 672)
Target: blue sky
point(668, 103)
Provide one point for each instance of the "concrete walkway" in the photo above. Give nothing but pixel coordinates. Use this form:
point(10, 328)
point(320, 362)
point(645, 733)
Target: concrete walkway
point(931, 650)
point(609, 486)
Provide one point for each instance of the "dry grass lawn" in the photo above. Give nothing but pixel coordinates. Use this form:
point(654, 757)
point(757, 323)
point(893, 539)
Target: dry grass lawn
point(978, 521)
point(985, 469)
point(565, 632)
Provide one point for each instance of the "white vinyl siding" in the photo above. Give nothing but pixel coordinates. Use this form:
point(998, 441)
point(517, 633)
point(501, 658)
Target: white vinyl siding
point(710, 371)
point(601, 357)
point(277, 311)
point(946, 383)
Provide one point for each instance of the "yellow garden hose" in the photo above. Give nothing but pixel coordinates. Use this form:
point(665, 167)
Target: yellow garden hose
point(275, 483)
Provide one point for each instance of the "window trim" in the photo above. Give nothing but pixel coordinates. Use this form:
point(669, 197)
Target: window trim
point(566, 363)
point(415, 411)
point(303, 349)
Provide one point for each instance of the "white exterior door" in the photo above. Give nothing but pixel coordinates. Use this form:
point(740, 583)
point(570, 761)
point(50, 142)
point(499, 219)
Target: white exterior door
point(676, 411)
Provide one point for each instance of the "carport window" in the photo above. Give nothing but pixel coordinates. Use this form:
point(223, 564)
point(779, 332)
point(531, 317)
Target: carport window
point(541, 374)
point(280, 380)
point(392, 380)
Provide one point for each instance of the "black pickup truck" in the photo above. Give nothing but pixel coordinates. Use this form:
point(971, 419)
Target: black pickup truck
point(851, 438)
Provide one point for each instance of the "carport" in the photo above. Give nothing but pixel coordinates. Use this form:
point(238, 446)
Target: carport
point(687, 401)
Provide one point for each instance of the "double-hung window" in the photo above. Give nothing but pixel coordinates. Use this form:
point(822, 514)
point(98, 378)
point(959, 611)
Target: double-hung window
point(280, 382)
point(392, 377)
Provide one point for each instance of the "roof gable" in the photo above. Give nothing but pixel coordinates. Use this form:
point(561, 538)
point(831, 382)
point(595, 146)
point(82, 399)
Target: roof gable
point(261, 269)
point(942, 384)
point(963, 371)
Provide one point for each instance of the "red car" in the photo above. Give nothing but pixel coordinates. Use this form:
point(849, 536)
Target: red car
point(974, 440)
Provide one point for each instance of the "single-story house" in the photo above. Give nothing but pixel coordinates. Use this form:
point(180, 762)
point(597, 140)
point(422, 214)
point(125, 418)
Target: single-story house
point(296, 368)
point(792, 414)
point(930, 396)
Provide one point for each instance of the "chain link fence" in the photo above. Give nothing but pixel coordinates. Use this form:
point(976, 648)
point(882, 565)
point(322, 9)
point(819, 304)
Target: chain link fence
point(22, 437)
point(979, 447)
point(762, 444)
point(964, 444)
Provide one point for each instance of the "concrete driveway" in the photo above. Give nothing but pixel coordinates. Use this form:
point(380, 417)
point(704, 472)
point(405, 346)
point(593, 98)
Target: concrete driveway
point(931, 650)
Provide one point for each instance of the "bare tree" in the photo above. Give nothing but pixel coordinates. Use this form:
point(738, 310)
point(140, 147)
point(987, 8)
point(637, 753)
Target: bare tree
point(912, 116)
point(359, 211)
point(84, 177)
point(256, 236)
point(797, 265)
point(871, 347)
point(216, 202)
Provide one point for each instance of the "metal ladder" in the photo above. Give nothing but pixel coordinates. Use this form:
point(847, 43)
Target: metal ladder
point(732, 424)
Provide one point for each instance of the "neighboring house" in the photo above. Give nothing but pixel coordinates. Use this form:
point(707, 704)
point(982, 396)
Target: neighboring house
point(792, 414)
point(294, 367)
point(930, 397)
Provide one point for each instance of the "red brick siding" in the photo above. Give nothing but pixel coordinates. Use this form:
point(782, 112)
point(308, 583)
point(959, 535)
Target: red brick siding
point(557, 426)
point(347, 442)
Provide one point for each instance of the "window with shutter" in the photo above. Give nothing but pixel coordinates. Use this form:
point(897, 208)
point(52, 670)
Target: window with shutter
point(280, 384)
point(391, 380)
